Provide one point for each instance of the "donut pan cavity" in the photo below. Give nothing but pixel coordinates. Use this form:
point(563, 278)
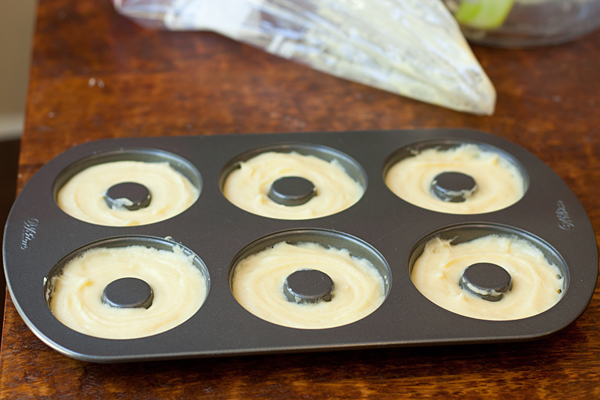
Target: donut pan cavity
point(40, 237)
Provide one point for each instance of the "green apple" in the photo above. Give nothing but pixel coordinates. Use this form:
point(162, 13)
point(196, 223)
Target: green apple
point(483, 14)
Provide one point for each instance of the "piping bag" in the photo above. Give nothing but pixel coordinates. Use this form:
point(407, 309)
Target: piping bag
point(413, 48)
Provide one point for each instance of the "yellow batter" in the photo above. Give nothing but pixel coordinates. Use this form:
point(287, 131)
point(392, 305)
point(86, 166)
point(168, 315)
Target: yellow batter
point(499, 183)
point(258, 286)
point(248, 186)
point(82, 197)
point(537, 284)
point(179, 290)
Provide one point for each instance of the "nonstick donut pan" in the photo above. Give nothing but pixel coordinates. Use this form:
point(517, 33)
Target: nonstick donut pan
point(390, 232)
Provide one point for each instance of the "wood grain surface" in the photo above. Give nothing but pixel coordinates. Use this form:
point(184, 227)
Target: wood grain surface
point(98, 75)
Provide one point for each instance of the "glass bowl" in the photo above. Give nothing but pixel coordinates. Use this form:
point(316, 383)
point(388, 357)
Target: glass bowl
point(525, 23)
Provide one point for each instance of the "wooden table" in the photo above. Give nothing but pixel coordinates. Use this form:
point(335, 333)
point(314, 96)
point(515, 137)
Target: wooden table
point(97, 75)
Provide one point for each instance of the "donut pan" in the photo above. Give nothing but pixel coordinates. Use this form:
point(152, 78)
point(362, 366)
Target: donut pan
point(40, 238)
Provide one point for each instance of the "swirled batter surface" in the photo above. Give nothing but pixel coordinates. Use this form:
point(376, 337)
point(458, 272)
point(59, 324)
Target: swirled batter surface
point(258, 286)
point(82, 197)
point(499, 183)
point(537, 284)
point(76, 299)
point(248, 186)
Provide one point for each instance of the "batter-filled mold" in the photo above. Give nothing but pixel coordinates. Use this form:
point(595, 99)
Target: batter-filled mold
point(293, 181)
point(127, 287)
point(456, 177)
point(310, 279)
point(127, 187)
point(489, 272)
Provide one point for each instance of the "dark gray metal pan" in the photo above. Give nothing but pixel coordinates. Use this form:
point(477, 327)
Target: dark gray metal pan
point(40, 237)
